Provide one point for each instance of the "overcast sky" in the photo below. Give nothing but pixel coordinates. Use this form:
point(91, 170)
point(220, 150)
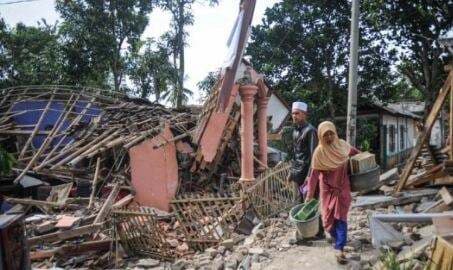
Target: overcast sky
point(207, 41)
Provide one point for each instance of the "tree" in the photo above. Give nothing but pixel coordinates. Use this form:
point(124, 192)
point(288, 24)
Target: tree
point(415, 27)
point(176, 39)
point(207, 84)
point(151, 72)
point(30, 55)
point(303, 48)
point(101, 35)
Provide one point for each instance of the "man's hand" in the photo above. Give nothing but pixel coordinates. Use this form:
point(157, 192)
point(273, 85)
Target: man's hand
point(307, 199)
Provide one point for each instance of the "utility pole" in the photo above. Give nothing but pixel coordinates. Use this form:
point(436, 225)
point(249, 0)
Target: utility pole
point(352, 85)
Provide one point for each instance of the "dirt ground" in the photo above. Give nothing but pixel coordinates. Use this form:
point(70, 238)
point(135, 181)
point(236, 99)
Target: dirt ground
point(303, 257)
point(317, 254)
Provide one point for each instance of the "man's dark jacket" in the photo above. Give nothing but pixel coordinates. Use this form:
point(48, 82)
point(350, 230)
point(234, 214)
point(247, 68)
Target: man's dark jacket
point(305, 140)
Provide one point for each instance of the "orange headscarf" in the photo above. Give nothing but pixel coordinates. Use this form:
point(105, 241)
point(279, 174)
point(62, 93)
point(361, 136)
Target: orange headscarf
point(330, 157)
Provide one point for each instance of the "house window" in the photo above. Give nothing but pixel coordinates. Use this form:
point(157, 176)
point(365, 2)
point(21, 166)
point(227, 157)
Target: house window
point(392, 138)
point(402, 137)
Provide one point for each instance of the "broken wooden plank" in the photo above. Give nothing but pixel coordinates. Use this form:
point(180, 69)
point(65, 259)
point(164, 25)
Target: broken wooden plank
point(34, 202)
point(45, 227)
point(64, 235)
point(95, 182)
point(67, 222)
point(389, 176)
point(384, 201)
point(108, 204)
point(431, 174)
point(424, 135)
point(70, 250)
point(123, 202)
point(446, 196)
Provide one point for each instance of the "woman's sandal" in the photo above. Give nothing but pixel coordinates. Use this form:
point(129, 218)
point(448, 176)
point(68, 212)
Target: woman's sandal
point(341, 258)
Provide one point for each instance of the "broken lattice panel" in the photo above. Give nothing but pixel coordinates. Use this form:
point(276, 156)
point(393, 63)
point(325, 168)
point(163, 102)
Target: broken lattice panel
point(207, 219)
point(139, 233)
point(273, 192)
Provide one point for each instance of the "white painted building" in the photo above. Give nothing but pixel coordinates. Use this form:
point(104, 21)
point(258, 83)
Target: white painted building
point(278, 111)
point(396, 132)
point(418, 107)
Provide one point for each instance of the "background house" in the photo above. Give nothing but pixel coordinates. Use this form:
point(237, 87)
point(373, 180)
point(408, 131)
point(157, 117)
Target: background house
point(389, 132)
point(418, 107)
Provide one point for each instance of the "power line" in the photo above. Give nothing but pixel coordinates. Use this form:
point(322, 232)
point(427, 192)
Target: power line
point(17, 2)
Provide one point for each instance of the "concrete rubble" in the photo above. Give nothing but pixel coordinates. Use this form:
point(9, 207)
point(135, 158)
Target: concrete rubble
point(105, 181)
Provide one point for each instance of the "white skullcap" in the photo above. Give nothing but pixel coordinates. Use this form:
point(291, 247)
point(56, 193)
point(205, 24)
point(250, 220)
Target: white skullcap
point(301, 106)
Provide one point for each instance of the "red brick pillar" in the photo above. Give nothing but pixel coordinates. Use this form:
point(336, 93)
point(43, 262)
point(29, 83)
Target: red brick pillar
point(247, 93)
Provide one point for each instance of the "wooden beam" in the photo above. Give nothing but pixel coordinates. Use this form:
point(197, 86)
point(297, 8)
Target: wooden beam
point(49, 138)
point(425, 134)
point(64, 235)
point(446, 196)
point(34, 202)
point(95, 181)
point(38, 124)
point(123, 202)
point(108, 204)
point(73, 123)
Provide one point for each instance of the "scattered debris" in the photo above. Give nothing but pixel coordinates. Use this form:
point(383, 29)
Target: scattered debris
point(111, 182)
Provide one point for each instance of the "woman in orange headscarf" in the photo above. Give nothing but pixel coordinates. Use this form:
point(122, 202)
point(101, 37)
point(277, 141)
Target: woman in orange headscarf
point(330, 170)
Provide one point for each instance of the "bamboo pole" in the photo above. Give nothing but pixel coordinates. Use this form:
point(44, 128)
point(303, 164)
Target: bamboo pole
point(38, 124)
point(73, 123)
point(81, 156)
point(107, 206)
point(95, 142)
point(47, 141)
point(95, 181)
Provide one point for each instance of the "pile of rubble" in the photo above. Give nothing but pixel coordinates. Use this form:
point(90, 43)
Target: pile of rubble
point(93, 167)
point(112, 182)
point(71, 149)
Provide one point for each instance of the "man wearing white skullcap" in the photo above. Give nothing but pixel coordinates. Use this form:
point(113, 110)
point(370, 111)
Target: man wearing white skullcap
point(304, 141)
point(300, 106)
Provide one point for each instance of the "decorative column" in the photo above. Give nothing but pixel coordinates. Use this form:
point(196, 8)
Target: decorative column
point(262, 131)
point(247, 93)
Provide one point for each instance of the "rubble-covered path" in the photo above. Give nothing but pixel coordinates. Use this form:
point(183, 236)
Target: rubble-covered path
point(273, 246)
point(303, 257)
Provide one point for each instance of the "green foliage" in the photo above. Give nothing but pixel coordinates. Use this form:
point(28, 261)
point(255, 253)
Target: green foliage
point(207, 84)
point(182, 16)
point(303, 47)
point(151, 72)
point(367, 134)
point(30, 55)
point(7, 162)
point(286, 143)
point(390, 262)
point(415, 26)
point(100, 36)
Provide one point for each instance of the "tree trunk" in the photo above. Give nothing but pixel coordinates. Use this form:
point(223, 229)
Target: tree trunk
point(115, 77)
point(156, 90)
point(180, 93)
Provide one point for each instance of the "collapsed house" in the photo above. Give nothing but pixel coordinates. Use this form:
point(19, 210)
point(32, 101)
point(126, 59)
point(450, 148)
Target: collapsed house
point(100, 177)
point(84, 155)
